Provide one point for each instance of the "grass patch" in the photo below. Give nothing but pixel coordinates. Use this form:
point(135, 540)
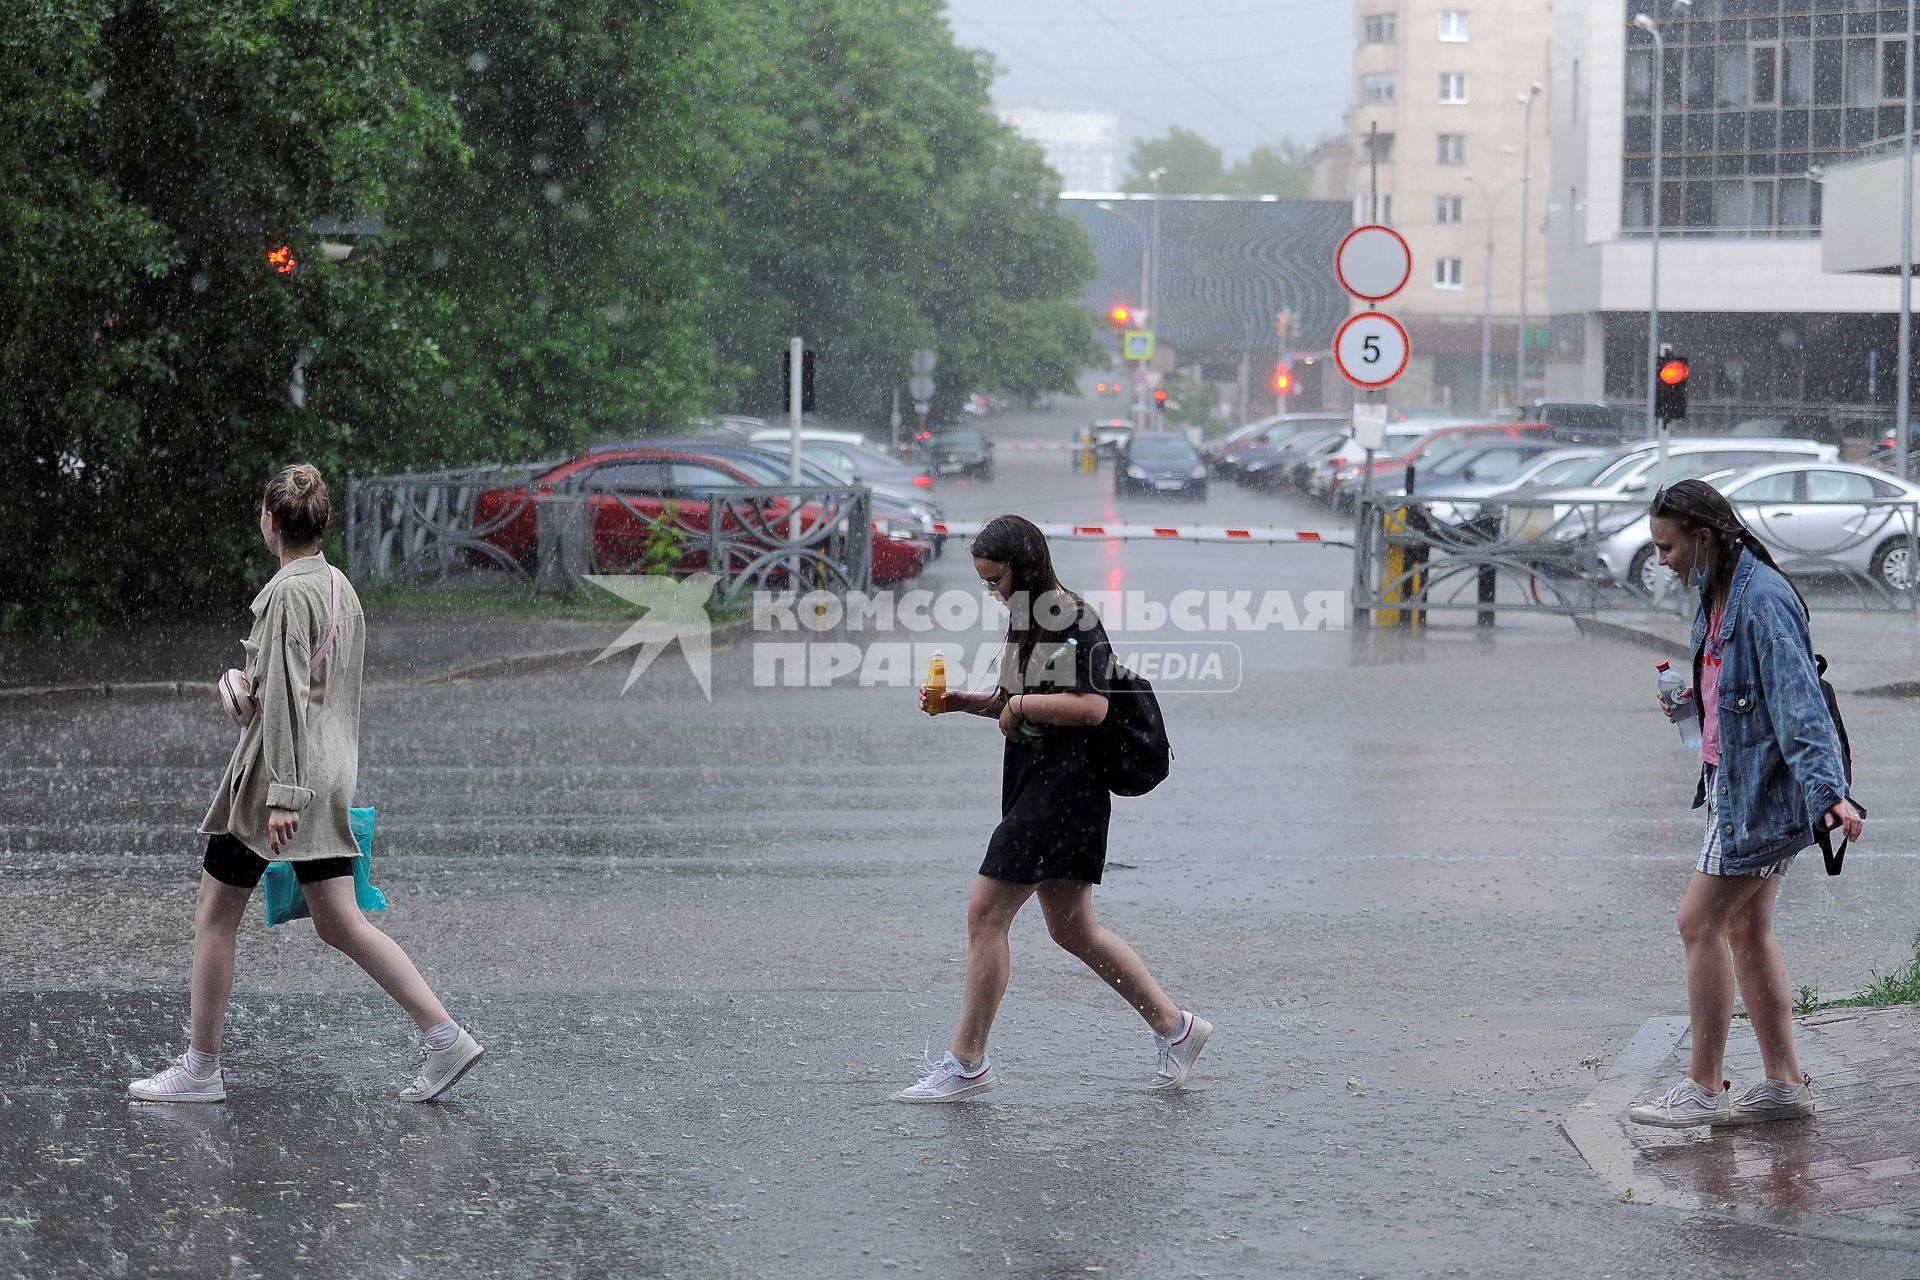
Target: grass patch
point(1902, 986)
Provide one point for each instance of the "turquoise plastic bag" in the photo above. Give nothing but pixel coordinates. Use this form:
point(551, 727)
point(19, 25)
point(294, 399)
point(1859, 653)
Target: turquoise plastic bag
point(286, 902)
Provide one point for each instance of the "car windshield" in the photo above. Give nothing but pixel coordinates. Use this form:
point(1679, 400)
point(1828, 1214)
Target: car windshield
point(1568, 471)
point(961, 438)
point(1159, 449)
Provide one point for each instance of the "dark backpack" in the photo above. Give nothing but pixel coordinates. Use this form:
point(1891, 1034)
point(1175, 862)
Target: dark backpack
point(1833, 856)
point(1132, 747)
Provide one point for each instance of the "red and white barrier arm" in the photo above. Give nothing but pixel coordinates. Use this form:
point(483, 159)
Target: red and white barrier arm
point(1038, 444)
point(1169, 533)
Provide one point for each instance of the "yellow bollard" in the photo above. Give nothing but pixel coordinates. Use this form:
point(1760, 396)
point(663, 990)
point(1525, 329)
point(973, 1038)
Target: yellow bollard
point(1089, 458)
point(1391, 522)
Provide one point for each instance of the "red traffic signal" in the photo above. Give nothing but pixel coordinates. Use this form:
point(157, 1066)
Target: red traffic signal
point(282, 259)
point(1674, 370)
point(1670, 389)
point(1282, 378)
point(1159, 395)
point(1122, 316)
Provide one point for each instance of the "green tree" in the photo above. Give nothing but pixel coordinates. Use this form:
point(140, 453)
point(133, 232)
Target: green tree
point(1195, 166)
point(156, 151)
point(887, 209)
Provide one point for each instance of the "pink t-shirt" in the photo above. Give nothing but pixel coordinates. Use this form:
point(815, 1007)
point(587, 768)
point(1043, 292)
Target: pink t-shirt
point(1710, 693)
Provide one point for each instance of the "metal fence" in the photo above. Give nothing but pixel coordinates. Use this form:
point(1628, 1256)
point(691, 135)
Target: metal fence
point(1542, 556)
point(487, 525)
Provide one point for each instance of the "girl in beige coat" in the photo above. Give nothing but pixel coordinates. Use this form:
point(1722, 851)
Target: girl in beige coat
point(285, 795)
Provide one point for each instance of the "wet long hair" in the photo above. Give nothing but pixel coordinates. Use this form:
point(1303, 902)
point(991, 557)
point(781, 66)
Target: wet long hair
point(1039, 607)
point(1695, 505)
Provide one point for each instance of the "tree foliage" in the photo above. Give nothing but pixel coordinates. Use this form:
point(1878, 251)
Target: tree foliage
point(1194, 166)
point(600, 218)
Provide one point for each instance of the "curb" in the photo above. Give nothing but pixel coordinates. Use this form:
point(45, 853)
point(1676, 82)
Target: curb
point(1598, 1129)
point(722, 637)
point(1633, 635)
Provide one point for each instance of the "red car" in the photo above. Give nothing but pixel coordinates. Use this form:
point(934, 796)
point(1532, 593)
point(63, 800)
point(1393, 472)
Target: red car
point(652, 479)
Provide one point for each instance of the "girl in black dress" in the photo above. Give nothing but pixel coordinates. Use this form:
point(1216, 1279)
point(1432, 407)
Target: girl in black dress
point(1054, 807)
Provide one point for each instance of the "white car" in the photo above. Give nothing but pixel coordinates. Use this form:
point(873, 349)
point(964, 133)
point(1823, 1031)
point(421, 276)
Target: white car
point(1813, 517)
point(1612, 499)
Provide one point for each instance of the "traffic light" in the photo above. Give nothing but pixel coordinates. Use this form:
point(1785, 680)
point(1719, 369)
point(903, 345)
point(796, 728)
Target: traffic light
point(1283, 379)
point(1160, 395)
point(1121, 316)
point(1670, 392)
point(806, 380)
point(282, 260)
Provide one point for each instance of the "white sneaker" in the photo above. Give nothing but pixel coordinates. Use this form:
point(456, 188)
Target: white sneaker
point(1177, 1055)
point(947, 1081)
point(177, 1084)
point(1773, 1100)
point(1686, 1105)
point(441, 1069)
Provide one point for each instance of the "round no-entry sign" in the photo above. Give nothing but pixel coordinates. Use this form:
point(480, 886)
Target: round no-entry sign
point(1371, 349)
point(1373, 262)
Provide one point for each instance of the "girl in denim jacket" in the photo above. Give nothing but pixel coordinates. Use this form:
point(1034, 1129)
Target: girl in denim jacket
point(1771, 768)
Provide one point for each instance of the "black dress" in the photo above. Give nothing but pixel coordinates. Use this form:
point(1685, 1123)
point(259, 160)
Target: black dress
point(1054, 806)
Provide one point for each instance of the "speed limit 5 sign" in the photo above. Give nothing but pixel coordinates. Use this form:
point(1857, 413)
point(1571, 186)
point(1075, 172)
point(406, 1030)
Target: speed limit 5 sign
point(1371, 349)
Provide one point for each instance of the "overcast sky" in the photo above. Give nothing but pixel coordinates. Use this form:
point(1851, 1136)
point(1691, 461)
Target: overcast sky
point(1238, 72)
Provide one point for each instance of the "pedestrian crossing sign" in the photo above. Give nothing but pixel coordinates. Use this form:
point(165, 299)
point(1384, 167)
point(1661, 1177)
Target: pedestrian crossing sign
point(1139, 344)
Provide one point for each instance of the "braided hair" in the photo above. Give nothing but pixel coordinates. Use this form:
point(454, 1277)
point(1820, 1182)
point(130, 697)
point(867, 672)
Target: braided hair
point(1697, 505)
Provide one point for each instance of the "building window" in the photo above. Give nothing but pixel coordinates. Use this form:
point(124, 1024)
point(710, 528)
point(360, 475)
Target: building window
point(1446, 273)
point(1765, 81)
point(1863, 73)
point(1453, 149)
point(1379, 28)
point(1453, 26)
point(1449, 210)
point(1380, 87)
point(1731, 64)
point(1453, 87)
point(1893, 69)
point(1368, 211)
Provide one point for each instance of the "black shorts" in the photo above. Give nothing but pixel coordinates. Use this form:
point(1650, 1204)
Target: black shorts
point(231, 862)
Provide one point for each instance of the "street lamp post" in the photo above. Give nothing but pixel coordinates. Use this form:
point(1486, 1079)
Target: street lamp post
point(1491, 201)
point(1153, 276)
point(1146, 285)
point(1902, 433)
point(1526, 184)
point(1656, 109)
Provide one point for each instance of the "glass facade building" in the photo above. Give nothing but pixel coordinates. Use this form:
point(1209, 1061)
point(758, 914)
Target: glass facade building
point(1760, 97)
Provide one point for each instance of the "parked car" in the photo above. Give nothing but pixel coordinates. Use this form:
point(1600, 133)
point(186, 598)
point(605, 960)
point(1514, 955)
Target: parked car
point(1110, 435)
point(1813, 517)
point(1583, 421)
point(1159, 462)
point(651, 479)
point(1326, 478)
point(907, 513)
point(1453, 500)
point(1561, 516)
point(1390, 474)
point(1271, 467)
point(1228, 455)
point(961, 451)
point(854, 459)
point(1493, 463)
point(1792, 426)
point(1314, 460)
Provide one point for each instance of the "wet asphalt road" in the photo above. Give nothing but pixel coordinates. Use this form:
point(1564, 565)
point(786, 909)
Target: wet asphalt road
point(1424, 889)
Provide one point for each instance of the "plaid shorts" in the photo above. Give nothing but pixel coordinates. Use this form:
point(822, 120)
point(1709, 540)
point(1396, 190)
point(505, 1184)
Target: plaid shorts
point(1711, 862)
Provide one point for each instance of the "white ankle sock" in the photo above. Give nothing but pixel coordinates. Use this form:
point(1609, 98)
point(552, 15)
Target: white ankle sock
point(202, 1066)
point(442, 1035)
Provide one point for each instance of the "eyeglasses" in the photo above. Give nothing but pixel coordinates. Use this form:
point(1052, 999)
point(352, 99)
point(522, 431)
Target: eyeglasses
point(995, 581)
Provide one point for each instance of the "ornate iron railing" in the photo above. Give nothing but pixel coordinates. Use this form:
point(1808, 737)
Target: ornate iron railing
point(471, 526)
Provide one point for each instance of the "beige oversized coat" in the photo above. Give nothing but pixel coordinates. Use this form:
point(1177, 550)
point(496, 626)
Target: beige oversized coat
point(302, 752)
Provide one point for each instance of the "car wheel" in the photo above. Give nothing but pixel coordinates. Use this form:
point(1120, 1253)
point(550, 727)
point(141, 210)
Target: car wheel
point(1893, 565)
point(1647, 577)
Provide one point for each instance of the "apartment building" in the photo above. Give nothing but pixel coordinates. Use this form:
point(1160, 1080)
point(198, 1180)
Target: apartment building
point(1450, 117)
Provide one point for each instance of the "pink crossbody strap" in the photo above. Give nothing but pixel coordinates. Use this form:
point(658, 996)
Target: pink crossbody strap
point(333, 623)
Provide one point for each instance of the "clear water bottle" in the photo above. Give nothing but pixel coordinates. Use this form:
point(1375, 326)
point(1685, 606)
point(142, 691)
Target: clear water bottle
point(1688, 722)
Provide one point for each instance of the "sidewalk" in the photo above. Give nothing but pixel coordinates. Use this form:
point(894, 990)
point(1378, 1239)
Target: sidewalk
point(1852, 1171)
point(403, 647)
point(1873, 653)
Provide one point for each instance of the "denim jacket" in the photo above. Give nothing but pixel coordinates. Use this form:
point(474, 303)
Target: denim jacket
point(1780, 767)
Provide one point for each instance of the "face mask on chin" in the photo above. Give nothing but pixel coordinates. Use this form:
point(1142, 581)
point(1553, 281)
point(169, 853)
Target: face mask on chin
point(1701, 574)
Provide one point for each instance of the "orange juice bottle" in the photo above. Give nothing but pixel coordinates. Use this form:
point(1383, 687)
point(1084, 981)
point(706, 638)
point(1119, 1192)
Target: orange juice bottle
point(937, 684)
